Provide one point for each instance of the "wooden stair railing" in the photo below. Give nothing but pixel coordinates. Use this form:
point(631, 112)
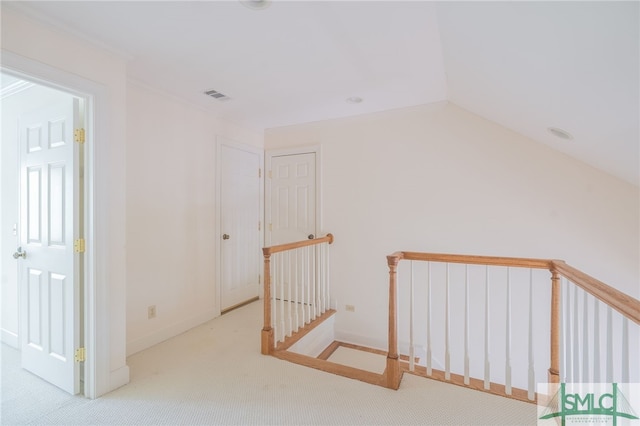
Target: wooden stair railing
point(571, 322)
point(303, 287)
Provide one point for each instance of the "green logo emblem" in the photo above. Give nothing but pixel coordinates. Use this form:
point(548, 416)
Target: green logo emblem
point(589, 406)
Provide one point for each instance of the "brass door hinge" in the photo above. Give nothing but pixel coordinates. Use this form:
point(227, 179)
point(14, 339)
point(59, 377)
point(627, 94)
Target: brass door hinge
point(259, 173)
point(271, 227)
point(79, 245)
point(78, 135)
point(269, 174)
point(81, 355)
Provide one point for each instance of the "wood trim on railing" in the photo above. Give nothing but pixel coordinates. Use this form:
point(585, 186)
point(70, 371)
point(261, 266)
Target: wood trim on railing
point(621, 302)
point(393, 375)
point(475, 260)
point(290, 246)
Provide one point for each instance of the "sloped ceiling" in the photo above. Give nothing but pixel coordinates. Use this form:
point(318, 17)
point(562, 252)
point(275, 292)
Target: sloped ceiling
point(525, 65)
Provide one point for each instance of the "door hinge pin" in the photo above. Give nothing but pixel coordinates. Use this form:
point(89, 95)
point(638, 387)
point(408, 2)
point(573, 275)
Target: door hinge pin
point(79, 245)
point(78, 135)
point(259, 225)
point(81, 355)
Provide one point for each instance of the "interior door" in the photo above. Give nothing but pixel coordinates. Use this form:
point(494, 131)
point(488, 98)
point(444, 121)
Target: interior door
point(240, 225)
point(49, 287)
point(292, 198)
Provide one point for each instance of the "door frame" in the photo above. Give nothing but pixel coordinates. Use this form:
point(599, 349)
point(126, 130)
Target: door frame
point(220, 142)
point(96, 315)
point(308, 149)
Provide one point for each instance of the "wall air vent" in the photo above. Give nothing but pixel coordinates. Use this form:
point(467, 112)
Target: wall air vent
point(217, 95)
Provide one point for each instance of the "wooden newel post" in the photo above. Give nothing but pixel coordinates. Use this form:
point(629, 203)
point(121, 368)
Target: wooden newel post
point(554, 369)
point(393, 375)
point(267, 342)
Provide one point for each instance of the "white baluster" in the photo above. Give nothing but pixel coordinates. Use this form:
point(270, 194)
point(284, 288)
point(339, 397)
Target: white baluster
point(327, 275)
point(487, 361)
point(314, 285)
point(625, 350)
point(568, 347)
point(596, 341)
point(289, 285)
point(411, 354)
point(318, 285)
point(298, 283)
point(310, 280)
point(274, 291)
point(466, 324)
point(563, 323)
point(609, 346)
point(507, 366)
point(282, 278)
point(429, 355)
point(576, 336)
point(303, 284)
point(532, 376)
point(447, 356)
point(585, 339)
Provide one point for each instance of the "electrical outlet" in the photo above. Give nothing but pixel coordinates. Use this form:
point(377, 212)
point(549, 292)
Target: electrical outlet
point(350, 308)
point(151, 311)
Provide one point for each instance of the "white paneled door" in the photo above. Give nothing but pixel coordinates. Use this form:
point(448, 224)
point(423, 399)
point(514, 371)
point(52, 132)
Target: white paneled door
point(49, 289)
point(292, 198)
point(239, 225)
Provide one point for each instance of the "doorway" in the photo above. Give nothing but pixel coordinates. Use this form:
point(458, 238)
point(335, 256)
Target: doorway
point(293, 195)
point(42, 222)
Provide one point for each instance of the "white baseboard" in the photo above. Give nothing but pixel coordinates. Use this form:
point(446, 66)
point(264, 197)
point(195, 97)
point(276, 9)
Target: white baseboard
point(173, 330)
point(10, 338)
point(118, 378)
point(360, 340)
point(381, 344)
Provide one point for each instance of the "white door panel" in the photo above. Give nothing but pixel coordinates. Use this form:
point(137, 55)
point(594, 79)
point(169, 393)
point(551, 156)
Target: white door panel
point(293, 198)
point(240, 216)
point(48, 285)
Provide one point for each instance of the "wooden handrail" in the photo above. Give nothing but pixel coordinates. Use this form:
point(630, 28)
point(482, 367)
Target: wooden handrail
point(621, 302)
point(290, 246)
point(475, 260)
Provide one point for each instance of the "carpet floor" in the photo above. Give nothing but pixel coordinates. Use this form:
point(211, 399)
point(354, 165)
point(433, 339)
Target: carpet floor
point(215, 374)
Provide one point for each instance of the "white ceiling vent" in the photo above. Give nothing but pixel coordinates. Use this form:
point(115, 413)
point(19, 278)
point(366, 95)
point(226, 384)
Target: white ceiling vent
point(217, 95)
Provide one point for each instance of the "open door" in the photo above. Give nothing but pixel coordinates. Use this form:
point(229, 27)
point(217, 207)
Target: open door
point(49, 278)
point(240, 181)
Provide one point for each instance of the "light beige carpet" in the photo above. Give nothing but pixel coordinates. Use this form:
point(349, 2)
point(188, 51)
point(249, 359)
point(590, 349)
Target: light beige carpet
point(215, 374)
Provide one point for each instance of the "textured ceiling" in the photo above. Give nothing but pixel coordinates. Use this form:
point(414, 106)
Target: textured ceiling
point(525, 65)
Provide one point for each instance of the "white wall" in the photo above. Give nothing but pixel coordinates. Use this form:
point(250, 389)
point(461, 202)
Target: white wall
point(39, 49)
point(437, 178)
point(171, 214)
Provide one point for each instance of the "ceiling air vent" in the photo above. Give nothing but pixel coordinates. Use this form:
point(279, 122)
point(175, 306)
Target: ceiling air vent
point(217, 95)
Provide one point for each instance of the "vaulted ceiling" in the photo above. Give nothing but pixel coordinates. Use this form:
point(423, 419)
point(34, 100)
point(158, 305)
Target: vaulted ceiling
point(528, 66)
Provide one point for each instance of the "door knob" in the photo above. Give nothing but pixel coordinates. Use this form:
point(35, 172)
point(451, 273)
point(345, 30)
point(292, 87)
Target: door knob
point(310, 236)
point(20, 253)
point(225, 236)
